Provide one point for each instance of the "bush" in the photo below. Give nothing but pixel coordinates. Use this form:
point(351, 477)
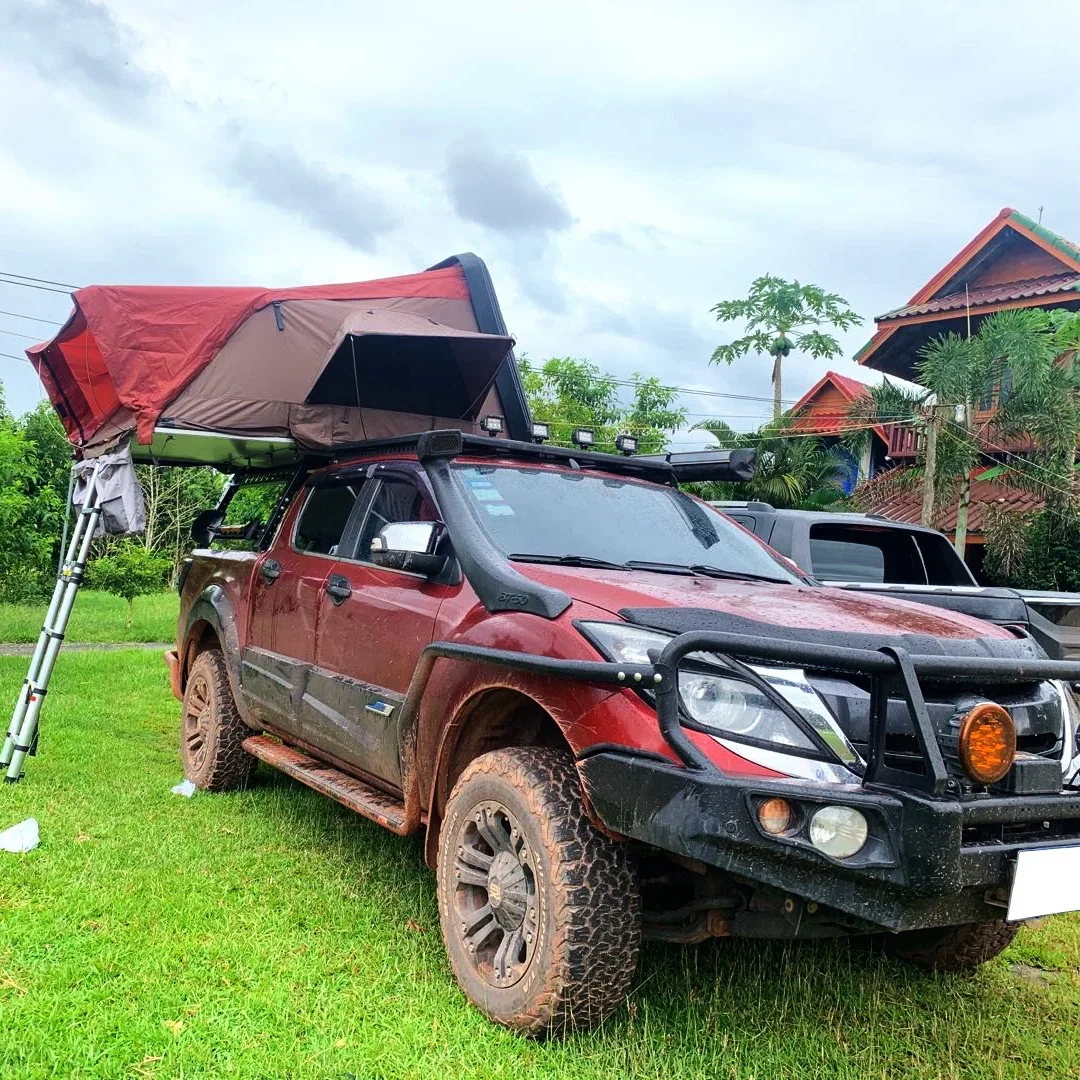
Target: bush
point(128, 572)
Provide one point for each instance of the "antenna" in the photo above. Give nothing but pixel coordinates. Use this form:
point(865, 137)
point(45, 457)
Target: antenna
point(1040, 215)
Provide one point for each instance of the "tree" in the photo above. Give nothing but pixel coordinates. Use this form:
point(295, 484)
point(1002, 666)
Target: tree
point(567, 393)
point(130, 570)
point(792, 470)
point(887, 404)
point(781, 316)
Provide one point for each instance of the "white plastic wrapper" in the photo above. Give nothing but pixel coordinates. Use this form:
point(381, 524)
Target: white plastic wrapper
point(20, 838)
point(185, 788)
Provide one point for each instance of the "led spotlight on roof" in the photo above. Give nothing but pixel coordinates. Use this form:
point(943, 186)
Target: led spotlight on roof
point(583, 437)
point(540, 432)
point(626, 443)
point(493, 425)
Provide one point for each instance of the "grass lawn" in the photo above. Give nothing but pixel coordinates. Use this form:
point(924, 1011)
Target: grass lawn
point(98, 617)
point(273, 934)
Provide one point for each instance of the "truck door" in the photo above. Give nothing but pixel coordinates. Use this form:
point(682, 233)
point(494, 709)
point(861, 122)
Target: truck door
point(373, 624)
point(286, 590)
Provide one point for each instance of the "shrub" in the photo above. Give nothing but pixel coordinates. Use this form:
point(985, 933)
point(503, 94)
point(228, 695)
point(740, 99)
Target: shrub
point(129, 571)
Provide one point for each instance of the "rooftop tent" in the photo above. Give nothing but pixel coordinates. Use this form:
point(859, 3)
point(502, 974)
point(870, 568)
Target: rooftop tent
point(245, 376)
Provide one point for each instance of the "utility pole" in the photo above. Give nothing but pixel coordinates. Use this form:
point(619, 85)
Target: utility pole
point(930, 466)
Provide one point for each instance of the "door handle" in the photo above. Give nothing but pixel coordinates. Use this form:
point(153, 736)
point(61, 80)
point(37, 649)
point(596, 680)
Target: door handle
point(338, 588)
point(270, 571)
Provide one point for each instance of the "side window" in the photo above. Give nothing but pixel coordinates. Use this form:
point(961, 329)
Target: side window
point(846, 553)
point(396, 500)
point(324, 516)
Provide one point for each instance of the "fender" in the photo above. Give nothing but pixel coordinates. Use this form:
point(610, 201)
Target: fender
point(213, 606)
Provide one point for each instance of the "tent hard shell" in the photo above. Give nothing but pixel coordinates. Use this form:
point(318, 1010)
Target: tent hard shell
point(237, 376)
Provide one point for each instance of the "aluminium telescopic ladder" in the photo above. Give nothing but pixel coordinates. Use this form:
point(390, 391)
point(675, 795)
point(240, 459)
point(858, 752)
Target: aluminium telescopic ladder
point(22, 731)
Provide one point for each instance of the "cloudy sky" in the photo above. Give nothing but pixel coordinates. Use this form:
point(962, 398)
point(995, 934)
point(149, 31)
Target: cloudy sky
point(619, 166)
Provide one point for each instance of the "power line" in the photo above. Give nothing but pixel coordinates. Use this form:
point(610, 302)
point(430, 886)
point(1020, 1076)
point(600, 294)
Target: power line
point(15, 333)
point(12, 356)
point(30, 285)
point(32, 318)
point(40, 281)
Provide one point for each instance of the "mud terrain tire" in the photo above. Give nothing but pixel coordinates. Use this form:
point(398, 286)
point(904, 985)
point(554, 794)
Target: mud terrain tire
point(211, 731)
point(562, 902)
point(952, 948)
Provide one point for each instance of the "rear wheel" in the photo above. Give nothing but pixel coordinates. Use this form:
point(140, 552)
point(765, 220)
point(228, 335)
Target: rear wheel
point(540, 912)
point(211, 731)
point(952, 948)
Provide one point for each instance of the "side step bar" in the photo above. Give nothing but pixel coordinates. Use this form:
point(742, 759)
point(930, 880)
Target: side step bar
point(375, 805)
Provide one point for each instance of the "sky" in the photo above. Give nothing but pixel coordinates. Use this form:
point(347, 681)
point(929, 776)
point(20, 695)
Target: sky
point(620, 167)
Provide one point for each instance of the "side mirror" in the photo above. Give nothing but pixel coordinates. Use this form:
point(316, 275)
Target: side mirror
point(410, 546)
point(205, 526)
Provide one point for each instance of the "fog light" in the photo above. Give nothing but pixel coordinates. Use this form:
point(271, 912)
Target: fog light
point(838, 831)
point(776, 816)
point(987, 743)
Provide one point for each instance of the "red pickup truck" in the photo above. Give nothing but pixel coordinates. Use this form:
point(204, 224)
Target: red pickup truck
point(617, 713)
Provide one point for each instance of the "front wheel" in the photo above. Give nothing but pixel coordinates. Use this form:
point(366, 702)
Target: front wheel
point(541, 914)
point(952, 948)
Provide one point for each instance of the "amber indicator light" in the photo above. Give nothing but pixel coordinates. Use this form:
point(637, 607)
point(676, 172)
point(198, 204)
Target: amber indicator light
point(987, 743)
point(776, 816)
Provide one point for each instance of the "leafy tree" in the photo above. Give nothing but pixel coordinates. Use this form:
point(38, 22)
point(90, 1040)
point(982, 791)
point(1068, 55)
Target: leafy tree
point(130, 570)
point(568, 393)
point(792, 470)
point(781, 316)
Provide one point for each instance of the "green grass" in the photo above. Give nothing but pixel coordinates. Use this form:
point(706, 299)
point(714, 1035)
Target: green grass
point(272, 934)
point(97, 617)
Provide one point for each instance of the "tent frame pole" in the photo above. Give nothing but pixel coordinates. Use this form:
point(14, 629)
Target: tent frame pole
point(22, 731)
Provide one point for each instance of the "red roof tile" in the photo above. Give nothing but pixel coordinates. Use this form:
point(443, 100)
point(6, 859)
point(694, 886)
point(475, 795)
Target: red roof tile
point(990, 294)
point(807, 418)
point(879, 496)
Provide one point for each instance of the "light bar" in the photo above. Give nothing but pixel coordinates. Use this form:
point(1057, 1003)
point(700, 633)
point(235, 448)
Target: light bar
point(540, 432)
point(583, 437)
point(493, 425)
point(626, 443)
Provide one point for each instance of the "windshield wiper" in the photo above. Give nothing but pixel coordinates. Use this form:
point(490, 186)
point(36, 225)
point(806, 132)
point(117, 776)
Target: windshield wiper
point(704, 569)
point(569, 560)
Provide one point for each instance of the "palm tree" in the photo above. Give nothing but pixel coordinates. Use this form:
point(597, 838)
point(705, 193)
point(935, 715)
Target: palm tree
point(780, 316)
point(886, 405)
point(793, 470)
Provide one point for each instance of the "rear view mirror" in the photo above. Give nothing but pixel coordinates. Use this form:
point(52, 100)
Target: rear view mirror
point(409, 546)
point(205, 526)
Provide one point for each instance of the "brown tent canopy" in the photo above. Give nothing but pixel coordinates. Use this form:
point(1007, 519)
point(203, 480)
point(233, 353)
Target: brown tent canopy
point(310, 367)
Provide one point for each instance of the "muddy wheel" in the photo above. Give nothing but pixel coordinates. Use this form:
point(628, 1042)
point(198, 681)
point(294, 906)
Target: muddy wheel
point(540, 912)
point(211, 731)
point(952, 948)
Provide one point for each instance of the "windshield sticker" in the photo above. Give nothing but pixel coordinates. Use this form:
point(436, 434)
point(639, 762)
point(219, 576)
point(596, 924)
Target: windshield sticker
point(478, 483)
point(488, 494)
point(499, 510)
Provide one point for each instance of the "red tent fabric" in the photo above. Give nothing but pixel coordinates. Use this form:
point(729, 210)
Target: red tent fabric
point(127, 351)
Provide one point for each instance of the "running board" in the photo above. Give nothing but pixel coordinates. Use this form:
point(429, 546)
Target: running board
point(371, 803)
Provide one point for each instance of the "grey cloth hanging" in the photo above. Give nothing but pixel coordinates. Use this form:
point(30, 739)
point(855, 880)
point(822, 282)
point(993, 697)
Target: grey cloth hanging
point(123, 509)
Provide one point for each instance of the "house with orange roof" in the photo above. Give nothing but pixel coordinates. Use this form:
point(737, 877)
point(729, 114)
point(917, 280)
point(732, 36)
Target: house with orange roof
point(1014, 262)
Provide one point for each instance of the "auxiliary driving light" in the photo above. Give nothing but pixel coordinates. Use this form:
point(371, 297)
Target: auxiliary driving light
point(540, 432)
point(626, 443)
point(583, 437)
point(493, 425)
point(838, 831)
point(776, 816)
point(987, 742)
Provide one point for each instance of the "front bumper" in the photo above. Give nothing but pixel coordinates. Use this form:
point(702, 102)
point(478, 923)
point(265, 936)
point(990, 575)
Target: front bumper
point(935, 862)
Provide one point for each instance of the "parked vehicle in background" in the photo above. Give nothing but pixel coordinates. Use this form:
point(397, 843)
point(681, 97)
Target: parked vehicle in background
point(871, 553)
point(617, 715)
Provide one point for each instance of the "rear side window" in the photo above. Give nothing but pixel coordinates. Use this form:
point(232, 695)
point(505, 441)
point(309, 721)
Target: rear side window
point(846, 553)
point(324, 516)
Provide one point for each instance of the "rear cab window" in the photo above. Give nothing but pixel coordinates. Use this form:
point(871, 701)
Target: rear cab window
point(865, 554)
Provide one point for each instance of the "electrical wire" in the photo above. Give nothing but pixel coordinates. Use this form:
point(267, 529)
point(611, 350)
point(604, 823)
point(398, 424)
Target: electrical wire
point(32, 318)
point(12, 356)
point(16, 333)
point(39, 280)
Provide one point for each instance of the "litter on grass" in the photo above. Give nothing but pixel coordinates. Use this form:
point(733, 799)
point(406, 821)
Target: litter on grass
point(185, 788)
point(20, 838)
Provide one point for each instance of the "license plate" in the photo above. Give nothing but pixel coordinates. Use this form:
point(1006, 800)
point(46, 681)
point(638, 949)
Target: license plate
point(1046, 882)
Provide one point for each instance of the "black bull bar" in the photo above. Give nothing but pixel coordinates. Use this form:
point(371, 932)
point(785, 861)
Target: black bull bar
point(893, 671)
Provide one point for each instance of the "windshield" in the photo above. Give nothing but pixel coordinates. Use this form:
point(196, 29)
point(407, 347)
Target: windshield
point(550, 514)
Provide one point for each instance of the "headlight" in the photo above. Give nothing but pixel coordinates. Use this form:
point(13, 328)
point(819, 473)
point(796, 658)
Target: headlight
point(737, 708)
point(725, 706)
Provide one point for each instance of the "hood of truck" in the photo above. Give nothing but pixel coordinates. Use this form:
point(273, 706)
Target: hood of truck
point(681, 602)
